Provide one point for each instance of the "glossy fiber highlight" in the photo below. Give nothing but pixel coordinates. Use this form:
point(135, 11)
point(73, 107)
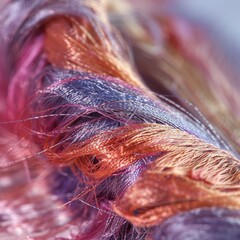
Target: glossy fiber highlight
point(88, 151)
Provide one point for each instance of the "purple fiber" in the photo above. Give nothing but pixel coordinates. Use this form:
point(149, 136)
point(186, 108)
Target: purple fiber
point(200, 224)
point(110, 97)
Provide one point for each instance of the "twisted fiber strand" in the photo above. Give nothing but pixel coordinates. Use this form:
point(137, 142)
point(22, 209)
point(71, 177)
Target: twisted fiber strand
point(127, 160)
point(80, 41)
point(180, 54)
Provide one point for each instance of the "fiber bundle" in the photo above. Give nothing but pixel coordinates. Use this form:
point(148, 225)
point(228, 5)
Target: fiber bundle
point(88, 151)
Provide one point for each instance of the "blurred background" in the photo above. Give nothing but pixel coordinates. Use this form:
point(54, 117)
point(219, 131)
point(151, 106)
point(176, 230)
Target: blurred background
point(220, 17)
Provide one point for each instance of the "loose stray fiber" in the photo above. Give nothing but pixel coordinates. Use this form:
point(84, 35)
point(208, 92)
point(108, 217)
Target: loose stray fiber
point(170, 52)
point(88, 151)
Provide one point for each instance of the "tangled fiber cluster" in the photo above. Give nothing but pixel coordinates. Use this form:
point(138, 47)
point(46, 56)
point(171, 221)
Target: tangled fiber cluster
point(88, 151)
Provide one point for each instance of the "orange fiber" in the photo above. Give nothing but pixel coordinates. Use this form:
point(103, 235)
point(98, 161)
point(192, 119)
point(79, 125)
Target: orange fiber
point(88, 48)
